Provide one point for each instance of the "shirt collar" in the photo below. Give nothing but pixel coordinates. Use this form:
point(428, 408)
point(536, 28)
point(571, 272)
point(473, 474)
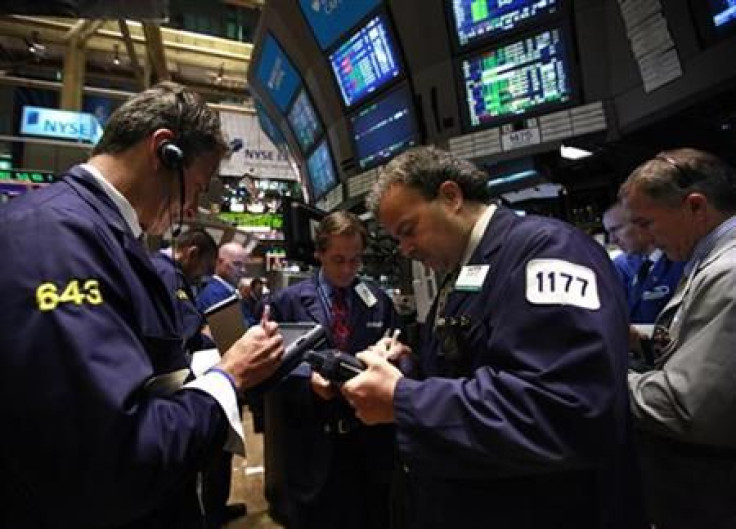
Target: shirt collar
point(705, 245)
point(126, 210)
point(479, 228)
point(655, 255)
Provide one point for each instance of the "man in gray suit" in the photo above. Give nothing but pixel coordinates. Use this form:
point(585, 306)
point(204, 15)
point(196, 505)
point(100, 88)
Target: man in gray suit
point(685, 407)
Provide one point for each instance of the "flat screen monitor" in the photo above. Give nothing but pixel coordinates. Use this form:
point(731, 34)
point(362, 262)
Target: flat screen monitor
point(517, 79)
point(366, 61)
point(321, 171)
point(723, 13)
point(276, 74)
point(716, 19)
point(384, 127)
point(477, 20)
point(330, 19)
point(269, 127)
point(300, 225)
point(304, 121)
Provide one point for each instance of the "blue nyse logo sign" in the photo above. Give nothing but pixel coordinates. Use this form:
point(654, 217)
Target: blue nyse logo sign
point(61, 124)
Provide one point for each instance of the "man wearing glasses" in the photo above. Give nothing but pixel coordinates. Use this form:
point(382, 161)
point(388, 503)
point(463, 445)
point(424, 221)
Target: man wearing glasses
point(685, 406)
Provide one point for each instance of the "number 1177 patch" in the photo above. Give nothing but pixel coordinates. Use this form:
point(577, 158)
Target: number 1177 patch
point(559, 282)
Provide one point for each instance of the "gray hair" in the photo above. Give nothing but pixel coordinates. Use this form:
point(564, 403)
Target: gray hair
point(425, 169)
point(672, 175)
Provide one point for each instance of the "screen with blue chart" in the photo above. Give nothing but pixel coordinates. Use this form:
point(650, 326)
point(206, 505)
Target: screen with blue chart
point(330, 19)
point(366, 61)
point(384, 127)
point(276, 73)
point(304, 122)
point(517, 79)
point(269, 127)
point(723, 12)
point(321, 171)
point(479, 19)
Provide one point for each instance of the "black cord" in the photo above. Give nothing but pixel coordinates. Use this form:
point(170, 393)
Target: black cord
point(177, 231)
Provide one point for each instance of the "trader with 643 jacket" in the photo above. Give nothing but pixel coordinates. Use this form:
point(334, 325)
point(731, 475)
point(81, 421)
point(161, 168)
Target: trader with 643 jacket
point(98, 431)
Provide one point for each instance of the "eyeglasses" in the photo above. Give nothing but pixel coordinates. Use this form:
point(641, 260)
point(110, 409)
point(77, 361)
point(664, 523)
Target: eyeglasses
point(685, 176)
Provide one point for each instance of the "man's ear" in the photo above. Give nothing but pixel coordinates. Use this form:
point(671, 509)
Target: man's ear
point(450, 194)
point(697, 203)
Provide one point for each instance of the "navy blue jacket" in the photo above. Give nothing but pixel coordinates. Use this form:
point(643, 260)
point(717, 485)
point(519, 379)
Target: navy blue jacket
point(647, 298)
point(533, 430)
point(190, 320)
point(88, 325)
point(307, 443)
point(214, 292)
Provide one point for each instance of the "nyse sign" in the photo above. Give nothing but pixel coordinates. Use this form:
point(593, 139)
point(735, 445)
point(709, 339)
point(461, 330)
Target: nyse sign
point(60, 124)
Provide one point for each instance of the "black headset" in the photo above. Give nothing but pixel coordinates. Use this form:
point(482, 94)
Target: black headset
point(171, 155)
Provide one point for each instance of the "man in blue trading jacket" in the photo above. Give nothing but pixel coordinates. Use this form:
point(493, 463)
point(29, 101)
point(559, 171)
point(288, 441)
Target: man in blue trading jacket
point(521, 418)
point(191, 256)
point(98, 430)
point(336, 471)
point(229, 268)
point(649, 277)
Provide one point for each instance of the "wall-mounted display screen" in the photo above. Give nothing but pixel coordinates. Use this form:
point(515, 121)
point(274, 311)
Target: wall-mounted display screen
point(304, 122)
point(480, 19)
point(384, 127)
point(270, 128)
point(321, 171)
point(366, 61)
point(276, 74)
point(517, 79)
point(723, 12)
point(330, 19)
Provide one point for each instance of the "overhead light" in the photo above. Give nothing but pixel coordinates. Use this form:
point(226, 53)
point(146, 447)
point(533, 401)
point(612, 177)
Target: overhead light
point(116, 58)
point(573, 153)
point(34, 45)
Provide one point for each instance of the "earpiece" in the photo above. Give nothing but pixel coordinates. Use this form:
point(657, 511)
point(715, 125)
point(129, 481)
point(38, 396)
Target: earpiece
point(171, 155)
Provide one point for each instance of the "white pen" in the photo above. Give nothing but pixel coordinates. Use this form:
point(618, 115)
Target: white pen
point(266, 314)
point(395, 338)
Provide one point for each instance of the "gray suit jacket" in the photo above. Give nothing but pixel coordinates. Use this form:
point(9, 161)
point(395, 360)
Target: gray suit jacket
point(685, 409)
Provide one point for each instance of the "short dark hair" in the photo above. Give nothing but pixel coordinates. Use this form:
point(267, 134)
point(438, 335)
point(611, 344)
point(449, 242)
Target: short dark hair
point(425, 169)
point(200, 239)
point(339, 223)
point(170, 106)
point(672, 175)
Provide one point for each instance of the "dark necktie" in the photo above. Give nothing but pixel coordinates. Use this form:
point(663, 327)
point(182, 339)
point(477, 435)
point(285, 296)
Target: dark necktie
point(340, 320)
point(643, 272)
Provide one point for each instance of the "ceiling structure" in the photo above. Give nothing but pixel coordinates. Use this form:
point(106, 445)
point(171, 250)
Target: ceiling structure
point(117, 57)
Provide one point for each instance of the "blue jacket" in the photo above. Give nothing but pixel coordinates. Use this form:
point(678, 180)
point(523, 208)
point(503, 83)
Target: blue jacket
point(533, 429)
point(214, 292)
point(646, 299)
point(88, 326)
point(306, 442)
point(190, 320)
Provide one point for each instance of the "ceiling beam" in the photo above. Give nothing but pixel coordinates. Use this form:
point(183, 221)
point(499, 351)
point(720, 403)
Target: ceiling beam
point(132, 55)
point(156, 52)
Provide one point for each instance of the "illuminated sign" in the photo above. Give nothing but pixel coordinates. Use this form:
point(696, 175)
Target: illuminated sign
point(60, 124)
point(26, 177)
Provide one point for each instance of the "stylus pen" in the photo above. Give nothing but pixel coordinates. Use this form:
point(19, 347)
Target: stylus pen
point(395, 337)
point(265, 315)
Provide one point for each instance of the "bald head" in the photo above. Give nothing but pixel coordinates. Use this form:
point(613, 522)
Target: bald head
point(230, 264)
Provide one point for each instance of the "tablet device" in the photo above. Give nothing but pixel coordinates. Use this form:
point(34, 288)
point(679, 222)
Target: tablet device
point(226, 322)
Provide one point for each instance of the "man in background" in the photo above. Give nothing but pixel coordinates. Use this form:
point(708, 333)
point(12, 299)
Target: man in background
point(182, 265)
point(649, 277)
point(330, 470)
point(229, 268)
point(684, 406)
